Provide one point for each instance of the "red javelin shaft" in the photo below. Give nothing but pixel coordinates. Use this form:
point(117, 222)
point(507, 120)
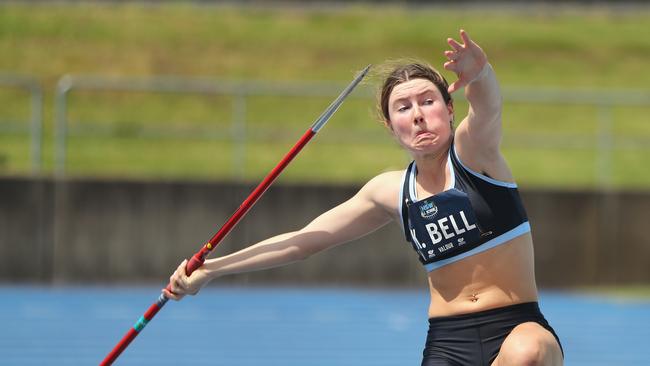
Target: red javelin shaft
point(199, 257)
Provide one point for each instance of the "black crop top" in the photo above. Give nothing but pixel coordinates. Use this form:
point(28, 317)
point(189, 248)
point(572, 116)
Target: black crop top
point(474, 214)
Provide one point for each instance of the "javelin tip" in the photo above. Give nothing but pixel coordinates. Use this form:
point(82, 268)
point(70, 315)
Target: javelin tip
point(320, 121)
point(363, 73)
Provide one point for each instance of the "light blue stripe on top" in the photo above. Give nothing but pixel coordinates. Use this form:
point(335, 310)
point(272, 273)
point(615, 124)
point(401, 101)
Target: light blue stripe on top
point(400, 199)
point(412, 189)
point(509, 235)
point(484, 177)
point(413, 176)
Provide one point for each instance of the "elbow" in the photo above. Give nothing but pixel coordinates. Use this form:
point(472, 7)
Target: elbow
point(490, 112)
point(305, 250)
point(310, 243)
point(299, 253)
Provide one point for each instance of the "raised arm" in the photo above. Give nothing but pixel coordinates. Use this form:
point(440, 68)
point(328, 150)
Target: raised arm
point(478, 136)
point(366, 212)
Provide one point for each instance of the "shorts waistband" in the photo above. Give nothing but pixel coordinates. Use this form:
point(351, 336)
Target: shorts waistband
point(527, 309)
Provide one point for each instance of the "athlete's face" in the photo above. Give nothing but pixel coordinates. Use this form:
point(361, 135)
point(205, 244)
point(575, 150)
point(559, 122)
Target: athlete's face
point(419, 117)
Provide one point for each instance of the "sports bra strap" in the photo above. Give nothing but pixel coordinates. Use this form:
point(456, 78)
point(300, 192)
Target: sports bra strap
point(406, 202)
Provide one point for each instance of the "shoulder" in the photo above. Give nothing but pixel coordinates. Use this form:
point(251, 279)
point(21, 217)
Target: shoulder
point(385, 181)
point(384, 190)
point(488, 161)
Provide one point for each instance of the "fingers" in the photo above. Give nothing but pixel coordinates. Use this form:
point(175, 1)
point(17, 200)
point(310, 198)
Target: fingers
point(458, 48)
point(171, 295)
point(451, 66)
point(452, 55)
point(455, 45)
point(465, 60)
point(181, 267)
point(465, 37)
point(456, 85)
point(178, 283)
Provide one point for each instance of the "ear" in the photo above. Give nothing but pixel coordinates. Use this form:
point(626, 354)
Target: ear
point(388, 125)
point(450, 109)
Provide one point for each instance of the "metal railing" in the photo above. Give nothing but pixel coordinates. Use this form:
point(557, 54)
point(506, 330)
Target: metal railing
point(604, 101)
point(33, 87)
point(241, 91)
point(604, 141)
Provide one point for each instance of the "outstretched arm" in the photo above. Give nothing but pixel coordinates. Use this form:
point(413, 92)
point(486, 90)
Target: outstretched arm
point(479, 134)
point(354, 218)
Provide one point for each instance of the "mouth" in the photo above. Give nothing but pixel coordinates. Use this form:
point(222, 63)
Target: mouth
point(423, 134)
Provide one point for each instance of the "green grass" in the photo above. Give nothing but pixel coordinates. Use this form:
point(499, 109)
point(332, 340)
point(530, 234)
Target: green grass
point(624, 293)
point(189, 136)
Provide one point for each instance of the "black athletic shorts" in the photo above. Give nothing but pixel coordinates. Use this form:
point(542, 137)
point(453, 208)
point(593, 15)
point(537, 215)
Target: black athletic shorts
point(475, 338)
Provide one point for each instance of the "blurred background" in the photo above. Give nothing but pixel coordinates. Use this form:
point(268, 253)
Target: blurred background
point(130, 131)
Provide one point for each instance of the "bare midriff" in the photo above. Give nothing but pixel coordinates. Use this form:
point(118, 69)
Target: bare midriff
point(501, 276)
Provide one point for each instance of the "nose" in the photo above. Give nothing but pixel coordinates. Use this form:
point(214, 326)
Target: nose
point(418, 117)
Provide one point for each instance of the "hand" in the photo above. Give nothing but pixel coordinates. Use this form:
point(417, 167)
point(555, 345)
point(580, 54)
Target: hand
point(181, 284)
point(467, 61)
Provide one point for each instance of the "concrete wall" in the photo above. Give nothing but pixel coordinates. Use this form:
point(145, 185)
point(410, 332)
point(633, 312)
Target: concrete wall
point(79, 231)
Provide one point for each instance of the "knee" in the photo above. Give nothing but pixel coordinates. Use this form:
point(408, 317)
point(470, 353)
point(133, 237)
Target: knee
point(527, 354)
point(523, 352)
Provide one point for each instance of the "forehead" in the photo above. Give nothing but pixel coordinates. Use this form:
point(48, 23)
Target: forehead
point(413, 87)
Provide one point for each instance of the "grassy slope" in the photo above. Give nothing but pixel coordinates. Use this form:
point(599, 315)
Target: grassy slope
point(640, 293)
point(569, 49)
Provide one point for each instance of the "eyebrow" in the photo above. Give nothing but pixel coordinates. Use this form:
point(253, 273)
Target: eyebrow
point(427, 90)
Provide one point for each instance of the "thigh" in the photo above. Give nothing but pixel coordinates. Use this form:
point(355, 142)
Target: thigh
point(455, 347)
point(529, 344)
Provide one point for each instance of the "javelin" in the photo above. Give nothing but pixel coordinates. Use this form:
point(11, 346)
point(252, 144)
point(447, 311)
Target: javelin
point(199, 257)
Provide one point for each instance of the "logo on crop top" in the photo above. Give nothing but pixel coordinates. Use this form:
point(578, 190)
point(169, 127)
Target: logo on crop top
point(428, 210)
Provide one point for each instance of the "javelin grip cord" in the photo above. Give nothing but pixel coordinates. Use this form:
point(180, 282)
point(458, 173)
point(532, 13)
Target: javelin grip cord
point(199, 257)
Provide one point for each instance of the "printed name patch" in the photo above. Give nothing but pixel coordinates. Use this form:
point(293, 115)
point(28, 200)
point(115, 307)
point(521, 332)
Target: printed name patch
point(443, 225)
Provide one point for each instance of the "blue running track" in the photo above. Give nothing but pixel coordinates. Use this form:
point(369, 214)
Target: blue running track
point(280, 326)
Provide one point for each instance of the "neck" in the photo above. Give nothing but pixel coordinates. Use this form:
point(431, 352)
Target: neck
point(432, 170)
